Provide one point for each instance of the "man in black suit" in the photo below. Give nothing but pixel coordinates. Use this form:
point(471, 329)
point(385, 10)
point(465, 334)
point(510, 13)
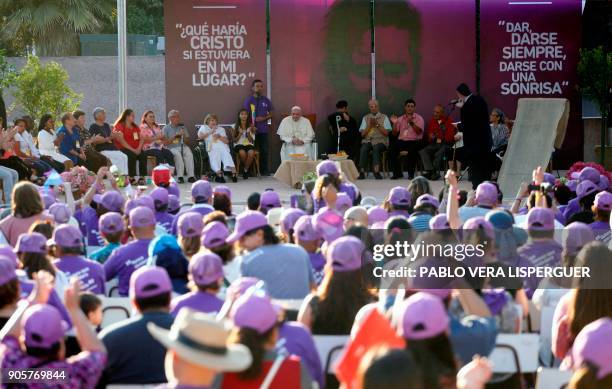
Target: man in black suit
point(476, 134)
point(350, 138)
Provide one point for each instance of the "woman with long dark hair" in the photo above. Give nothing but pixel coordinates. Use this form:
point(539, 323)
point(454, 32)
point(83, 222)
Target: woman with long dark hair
point(47, 143)
point(244, 145)
point(153, 137)
point(131, 144)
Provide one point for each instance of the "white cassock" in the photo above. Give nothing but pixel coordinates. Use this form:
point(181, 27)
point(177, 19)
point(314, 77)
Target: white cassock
point(302, 129)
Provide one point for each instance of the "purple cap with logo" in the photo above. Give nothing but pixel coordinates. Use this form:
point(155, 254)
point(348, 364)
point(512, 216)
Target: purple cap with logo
point(61, 213)
point(255, 311)
point(239, 286)
point(66, 236)
point(33, 242)
point(585, 188)
point(327, 167)
point(160, 195)
point(603, 201)
point(427, 199)
point(479, 223)
point(7, 269)
point(245, 222)
point(174, 204)
point(399, 195)
point(329, 224)
point(593, 345)
point(423, 316)
point(269, 199)
point(190, 224)
point(43, 326)
point(604, 183)
point(288, 218)
point(343, 202)
point(589, 174)
point(149, 281)
point(201, 190)
point(486, 194)
point(377, 214)
point(439, 222)
point(142, 217)
point(110, 223)
point(223, 189)
point(214, 235)
point(539, 218)
point(576, 235)
point(112, 200)
point(173, 189)
point(48, 199)
point(304, 230)
point(205, 268)
point(345, 253)
point(7, 251)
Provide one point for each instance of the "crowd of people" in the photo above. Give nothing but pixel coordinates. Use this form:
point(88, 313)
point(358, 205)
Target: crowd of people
point(207, 283)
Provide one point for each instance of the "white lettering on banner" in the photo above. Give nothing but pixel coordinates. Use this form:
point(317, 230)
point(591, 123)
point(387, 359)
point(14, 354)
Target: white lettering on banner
point(529, 57)
point(218, 50)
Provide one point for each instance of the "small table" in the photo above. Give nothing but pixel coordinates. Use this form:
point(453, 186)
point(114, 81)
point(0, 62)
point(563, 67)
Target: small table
point(291, 172)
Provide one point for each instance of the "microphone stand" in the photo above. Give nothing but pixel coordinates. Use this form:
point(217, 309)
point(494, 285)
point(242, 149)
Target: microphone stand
point(338, 130)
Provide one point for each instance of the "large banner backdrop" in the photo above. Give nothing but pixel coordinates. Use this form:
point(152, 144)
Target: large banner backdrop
point(214, 50)
point(530, 49)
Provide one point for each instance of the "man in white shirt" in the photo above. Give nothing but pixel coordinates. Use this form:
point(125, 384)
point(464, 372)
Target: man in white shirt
point(297, 134)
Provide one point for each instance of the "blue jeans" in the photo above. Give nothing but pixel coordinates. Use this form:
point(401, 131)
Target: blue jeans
point(9, 178)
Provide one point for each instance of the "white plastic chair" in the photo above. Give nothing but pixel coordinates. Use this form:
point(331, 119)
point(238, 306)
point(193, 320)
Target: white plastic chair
point(516, 353)
point(330, 347)
point(552, 378)
point(115, 309)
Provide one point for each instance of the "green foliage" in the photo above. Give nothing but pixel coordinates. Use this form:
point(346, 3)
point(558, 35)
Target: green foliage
point(41, 89)
point(7, 72)
point(143, 17)
point(595, 73)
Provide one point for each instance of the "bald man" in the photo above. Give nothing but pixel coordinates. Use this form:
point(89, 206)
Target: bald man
point(439, 137)
point(375, 128)
point(297, 134)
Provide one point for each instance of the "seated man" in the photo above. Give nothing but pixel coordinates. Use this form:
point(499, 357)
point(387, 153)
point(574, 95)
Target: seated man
point(409, 131)
point(375, 128)
point(297, 134)
point(176, 137)
point(341, 121)
point(440, 137)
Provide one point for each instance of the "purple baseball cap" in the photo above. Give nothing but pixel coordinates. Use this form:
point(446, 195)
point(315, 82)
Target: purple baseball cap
point(427, 199)
point(585, 188)
point(329, 224)
point(604, 183)
point(201, 190)
point(304, 230)
point(223, 189)
point(129, 206)
point(239, 286)
point(142, 217)
point(205, 268)
point(255, 311)
point(327, 167)
point(110, 223)
point(149, 281)
point(345, 253)
point(603, 201)
point(477, 223)
point(112, 200)
point(269, 199)
point(377, 214)
point(7, 251)
point(343, 202)
point(575, 236)
point(48, 199)
point(423, 316)
point(486, 194)
point(160, 195)
point(61, 213)
point(589, 174)
point(7, 269)
point(66, 235)
point(245, 222)
point(214, 235)
point(593, 345)
point(539, 218)
point(549, 179)
point(33, 242)
point(145, 201)
point(399, 195)
point(190, 224)
point(572, 185)
point(439, 222)
point(174, 203)
point(288, 218)
point(173, 189)
point(43, 326)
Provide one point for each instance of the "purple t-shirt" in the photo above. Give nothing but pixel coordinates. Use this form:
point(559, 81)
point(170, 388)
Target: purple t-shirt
point(317, 260)
point(573, 206)
point(298, 341)
point(200, 301)
point(530, 283)
point(542, 252)
point(89, 273)
point(203, 209)
point(82, 370)
point(263, 106)
point(399, 212)
point(89, 227)
point(124, 261)
point(601, 230)
point(165, 220)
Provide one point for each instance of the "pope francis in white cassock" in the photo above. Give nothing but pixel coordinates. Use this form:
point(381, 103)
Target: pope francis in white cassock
point(297, 134)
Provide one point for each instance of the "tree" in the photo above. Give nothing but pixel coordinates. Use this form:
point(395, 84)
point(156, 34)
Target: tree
point(41, 89)
point(53, 26)
point(7, 77)
point(595, 74)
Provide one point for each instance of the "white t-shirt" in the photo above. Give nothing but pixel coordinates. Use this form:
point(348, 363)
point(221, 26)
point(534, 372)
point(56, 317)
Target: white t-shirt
point(26, 144)
point(45, 142)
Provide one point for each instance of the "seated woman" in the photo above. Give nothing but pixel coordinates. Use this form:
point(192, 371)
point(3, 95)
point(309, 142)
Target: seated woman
point(130, 142)
point(217, 146)
point(69, 140)
point(95, 160)
point(27, 150)
point(48, 143)
point(153, 139)
point(244, 133)
point(102, 140)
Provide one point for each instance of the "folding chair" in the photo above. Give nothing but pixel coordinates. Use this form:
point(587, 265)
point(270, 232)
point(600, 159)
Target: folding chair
point(330, 348)
point(115, 309)
point(514, 354)
point(552, 378)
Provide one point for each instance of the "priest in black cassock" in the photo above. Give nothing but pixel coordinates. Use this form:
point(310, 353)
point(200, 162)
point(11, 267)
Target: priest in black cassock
point(350, 138)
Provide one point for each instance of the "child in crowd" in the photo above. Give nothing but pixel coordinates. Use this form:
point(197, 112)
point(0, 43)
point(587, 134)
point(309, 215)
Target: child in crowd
point(91, 305)
point(190, 226)
point(206, 276)
point(111, 229)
